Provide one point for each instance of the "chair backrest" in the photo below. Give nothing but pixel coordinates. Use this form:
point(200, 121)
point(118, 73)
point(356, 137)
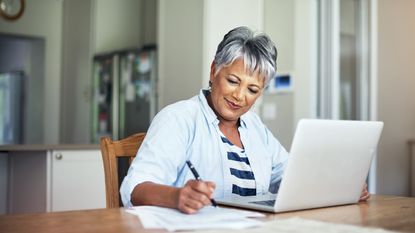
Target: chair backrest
point(111, 151)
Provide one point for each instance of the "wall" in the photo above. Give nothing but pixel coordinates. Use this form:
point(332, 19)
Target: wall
point(148, 21)
point(117, 26)
point(305, 60)
point(77, 43)
point(396, 83)
point(180, 43)
point(293, 26)
point(14, 54)
point(43, 18)
point(218, 20)
point(279, 24)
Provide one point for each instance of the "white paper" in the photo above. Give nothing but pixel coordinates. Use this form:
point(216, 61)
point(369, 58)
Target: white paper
point(206, 218)
point(300, 225)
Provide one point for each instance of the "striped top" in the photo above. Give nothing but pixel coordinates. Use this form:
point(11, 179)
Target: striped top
point(243, 179)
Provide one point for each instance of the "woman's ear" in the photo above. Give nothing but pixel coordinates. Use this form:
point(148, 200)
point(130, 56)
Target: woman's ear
point(212, 70)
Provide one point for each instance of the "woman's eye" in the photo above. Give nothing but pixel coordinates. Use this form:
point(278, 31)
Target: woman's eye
point(232, 81)
point(253, 91)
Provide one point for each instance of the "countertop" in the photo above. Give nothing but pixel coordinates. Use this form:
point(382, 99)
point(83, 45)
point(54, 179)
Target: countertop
point(42, 147)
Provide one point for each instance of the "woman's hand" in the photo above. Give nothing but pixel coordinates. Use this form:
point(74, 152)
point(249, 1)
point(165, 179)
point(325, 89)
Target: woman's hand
point(365, 195)
point(194, 196)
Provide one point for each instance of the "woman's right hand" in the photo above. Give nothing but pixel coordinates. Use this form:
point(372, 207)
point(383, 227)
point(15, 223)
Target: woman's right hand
point(194, 196)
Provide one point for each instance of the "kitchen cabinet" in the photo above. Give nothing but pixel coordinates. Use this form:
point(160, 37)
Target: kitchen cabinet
point(77, 180)
point(54, 178)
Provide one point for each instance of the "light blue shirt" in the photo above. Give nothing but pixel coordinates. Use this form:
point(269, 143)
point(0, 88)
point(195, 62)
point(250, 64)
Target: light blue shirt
point(189, 130)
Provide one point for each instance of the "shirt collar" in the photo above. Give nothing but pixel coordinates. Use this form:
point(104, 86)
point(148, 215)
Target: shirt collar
point(208, 112)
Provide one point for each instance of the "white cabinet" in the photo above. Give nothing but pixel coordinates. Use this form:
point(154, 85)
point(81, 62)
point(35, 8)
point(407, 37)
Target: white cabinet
point(54, 179)
point(77, 180)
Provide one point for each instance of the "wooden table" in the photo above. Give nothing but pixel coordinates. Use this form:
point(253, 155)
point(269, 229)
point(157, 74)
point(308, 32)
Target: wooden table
point(389, 212)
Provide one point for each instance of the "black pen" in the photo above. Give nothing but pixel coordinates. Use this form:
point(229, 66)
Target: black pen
point(197, 177)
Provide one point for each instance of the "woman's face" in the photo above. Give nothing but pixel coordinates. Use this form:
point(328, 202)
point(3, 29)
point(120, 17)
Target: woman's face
point(234, 91)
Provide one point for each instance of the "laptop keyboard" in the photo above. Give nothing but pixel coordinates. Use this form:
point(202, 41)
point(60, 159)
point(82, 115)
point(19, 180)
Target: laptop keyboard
point(267, 203)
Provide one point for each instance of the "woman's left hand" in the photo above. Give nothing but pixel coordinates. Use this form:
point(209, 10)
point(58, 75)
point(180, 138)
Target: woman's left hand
point(365, 195)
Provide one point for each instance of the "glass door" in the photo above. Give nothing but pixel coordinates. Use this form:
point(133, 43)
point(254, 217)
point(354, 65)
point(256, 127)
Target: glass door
point(354, 77)
point(345, 77)
point(344, 82)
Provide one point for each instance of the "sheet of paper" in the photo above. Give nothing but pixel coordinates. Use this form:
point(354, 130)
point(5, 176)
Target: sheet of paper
point(206, 218)
point(300, 225)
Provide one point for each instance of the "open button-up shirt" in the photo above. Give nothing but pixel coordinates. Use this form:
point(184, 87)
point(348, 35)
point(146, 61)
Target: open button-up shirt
point(189, 130)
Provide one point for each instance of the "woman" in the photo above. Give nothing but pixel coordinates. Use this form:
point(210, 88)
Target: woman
point(228, 144)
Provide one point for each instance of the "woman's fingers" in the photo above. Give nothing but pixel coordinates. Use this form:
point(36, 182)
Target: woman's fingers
point(195, 195)
point(365, 195)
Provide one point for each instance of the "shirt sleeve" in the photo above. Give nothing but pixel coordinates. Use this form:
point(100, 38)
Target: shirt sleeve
point(161, 155)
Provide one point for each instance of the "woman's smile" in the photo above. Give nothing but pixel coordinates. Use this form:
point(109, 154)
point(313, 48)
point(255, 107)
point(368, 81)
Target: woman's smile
point(233, 105)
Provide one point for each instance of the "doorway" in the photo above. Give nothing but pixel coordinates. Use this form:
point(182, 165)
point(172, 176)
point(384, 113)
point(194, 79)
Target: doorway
point(26, 56)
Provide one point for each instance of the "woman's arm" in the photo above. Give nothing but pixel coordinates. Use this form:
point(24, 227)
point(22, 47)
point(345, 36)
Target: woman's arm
point(188, 199)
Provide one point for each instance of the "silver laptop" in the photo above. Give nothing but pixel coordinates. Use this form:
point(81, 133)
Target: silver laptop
point(328, 165)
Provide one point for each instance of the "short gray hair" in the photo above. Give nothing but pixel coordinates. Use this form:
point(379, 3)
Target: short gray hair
point(258, 52)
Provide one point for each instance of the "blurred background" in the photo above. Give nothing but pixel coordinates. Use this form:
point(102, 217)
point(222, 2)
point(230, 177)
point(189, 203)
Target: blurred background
point(72, 71)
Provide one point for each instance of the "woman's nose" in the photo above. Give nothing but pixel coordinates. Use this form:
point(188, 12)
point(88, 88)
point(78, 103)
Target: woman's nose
point(238, 93)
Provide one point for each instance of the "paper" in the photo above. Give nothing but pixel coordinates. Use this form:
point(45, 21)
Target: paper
point(206, 218)
point(300, 225)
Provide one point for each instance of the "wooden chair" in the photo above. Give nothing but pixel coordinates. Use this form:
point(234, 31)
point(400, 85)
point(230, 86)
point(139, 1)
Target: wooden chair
point(111, 152)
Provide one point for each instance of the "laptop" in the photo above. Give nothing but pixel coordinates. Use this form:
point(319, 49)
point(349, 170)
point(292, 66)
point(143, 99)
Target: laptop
point(328, 165)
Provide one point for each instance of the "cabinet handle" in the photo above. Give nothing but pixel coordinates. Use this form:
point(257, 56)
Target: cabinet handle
point(58, 156)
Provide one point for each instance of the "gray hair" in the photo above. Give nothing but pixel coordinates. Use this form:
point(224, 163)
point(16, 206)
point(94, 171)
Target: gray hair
point(258, 52)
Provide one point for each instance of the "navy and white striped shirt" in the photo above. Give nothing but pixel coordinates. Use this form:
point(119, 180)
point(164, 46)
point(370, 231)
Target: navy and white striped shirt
point(243, 179)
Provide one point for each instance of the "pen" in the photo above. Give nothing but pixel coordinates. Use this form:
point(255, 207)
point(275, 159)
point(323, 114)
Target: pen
point(197, 177)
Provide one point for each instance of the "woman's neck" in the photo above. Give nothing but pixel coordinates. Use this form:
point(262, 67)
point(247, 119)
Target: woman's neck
point(223, 124)
point(228, 125)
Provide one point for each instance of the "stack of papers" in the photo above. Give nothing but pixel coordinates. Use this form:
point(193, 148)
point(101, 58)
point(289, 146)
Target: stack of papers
point(207, 218)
